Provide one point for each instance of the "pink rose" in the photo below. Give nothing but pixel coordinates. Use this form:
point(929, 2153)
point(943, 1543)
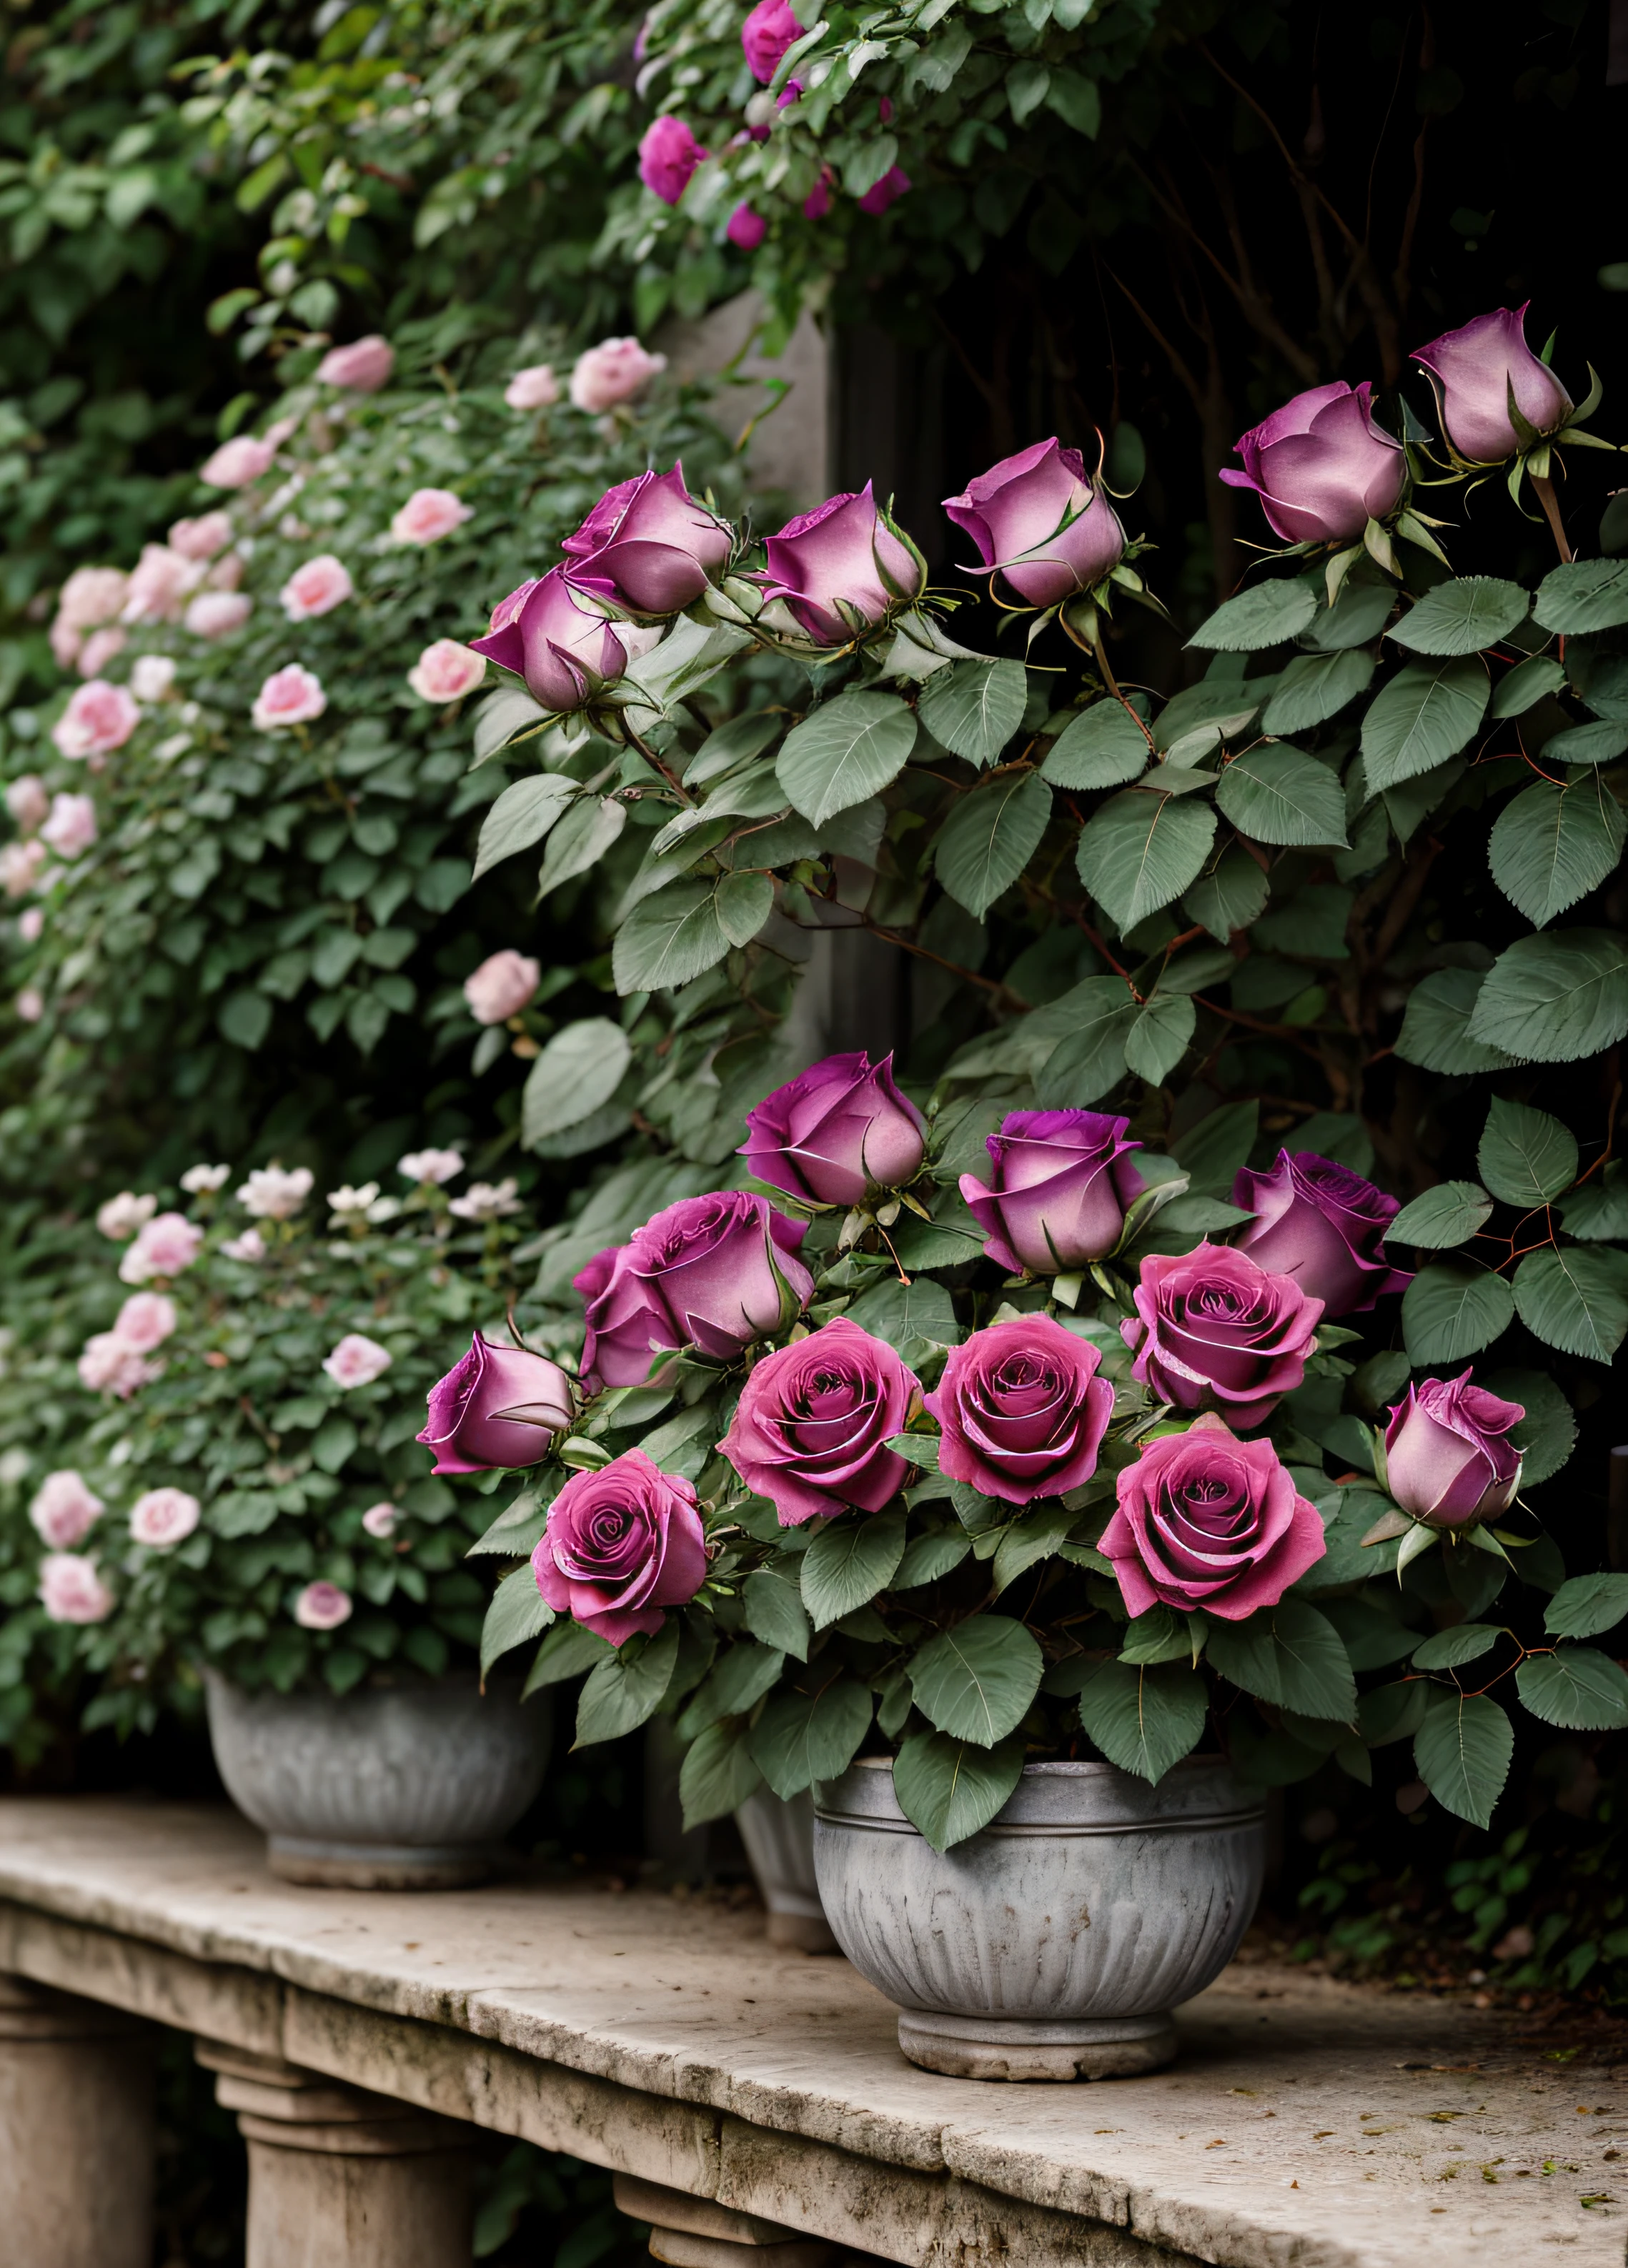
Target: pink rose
point(428, 515)
point(1449, 1458)
point(1060, 1184)
point(291, 695)
point(166, 1245)
point(747, 229)
point(98, 719)
point(621, 1544)
point(238, 461)
point(248, 1247)
point(357, 1361)
point(667, 156)
point(363, 366)
point(1476, 369)
point(29, 1005)
point(71, 827)
point(158, 585)
point(614, 370)
point(20, 866)
point(109, 1365)
point(842, 568)
point(64, 1510)
point(27, 803)
point(216, 614)
point(893, 184)
point(1021, 1410)
point(145, 1320)
point(120, 1216)
point(201, 538)
point(445, 671)
point(1205, 1519)
point(1042, 522)
point(100, 648)
point(501, 1406)
point(836, 1130)
point(566, 651)
point(316, 588)
point(817, 203)
point(1213, 1327)
point(501, 986)
point(226, 573)
point(163, 1517)
point(91, 596)
point(1323, 1224)
point(433, 1167)
point(711, 1272)
point(274, 1192)
point(1322, 466)
point(70, 1589)
point(380, 1520)
point(536, 387)
point(648, 546)
point(151, 676)
point(322, 1606)
point(766, 34)
point(30, 922)
point(813, 1424)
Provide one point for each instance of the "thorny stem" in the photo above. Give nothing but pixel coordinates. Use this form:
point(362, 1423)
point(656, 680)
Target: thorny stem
point(655, 762)
point(1100, 655)
point(1543, 490)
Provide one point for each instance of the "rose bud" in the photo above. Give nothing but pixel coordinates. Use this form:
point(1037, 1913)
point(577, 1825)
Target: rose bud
point(1474, 370)
point(1213, 1327)
point(1205, 1519)
point(811, 1429)
point(712, 1272)
point(1060, 1184)
point(842, 568)
point(614, 370)
point(648, 546)
point(566, 652)
point(1021, 1410)
point(1321, 465)
point(747, 229)
point(893, 184)
point(1038, 519)
point(501, 1406)
point(1449, 1458)
point(836, 1130)
point(667, 156)
point(766, 34)
point(363, 366)
point(621, 1544)
point(1324, 1225)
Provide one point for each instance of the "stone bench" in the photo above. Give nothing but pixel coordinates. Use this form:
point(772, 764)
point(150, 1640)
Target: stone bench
point(752, 2104)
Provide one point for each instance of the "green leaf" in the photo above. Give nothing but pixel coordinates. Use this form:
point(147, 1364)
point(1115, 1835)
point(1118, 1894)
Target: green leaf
point(578, 1071)
point(1229, 898)
point(245, 1019)
point(849, 1563)
point(1526, 684)
point(741, 1676)
point(1525, 1157)
point(1144, 1720)
point(916, 1319)
point(1450, 1310)
point(1462, 1751)
point(717, 1776)
point(518, 1611)
point(1448, 1648)
point(580, 840)
point(336, 1439)
point(1552, 845)
point(1555, 997)
point(1357, 617)
point(774, 1610)
point(629, 1687)
point(1392, 1712)
point(989, 838)
point(1587, 744)
point(803, 1737)
point(1435, 1028)
point(1289, 1654)
point(930, 1556)
point(1090, 1059)
point(1159, 1035)
point(1267, 614)
point(1576, 1688)
point(948, 1789)
point(1104, 746)
point(973, 708)
point(1427, 713)
point(1547, 1435)
point(668, 939)
point(1315, 686)
point(977, 1680)
point(1585, 594)
point(1279, 794)
point(847, 751)
point(522, 815)
point(1574, 1299)
point(1028, 1541)
point(566, 1652)
point(744, 903)
point(509, 710)
point(1215, 1147)
point(1448, 1214)
point(1586, 1605)
point(1465, 615)
point(1142, 851)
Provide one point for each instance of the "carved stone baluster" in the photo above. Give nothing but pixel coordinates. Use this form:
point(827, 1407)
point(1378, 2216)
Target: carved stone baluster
point(692, 2232)
point(76, 2132)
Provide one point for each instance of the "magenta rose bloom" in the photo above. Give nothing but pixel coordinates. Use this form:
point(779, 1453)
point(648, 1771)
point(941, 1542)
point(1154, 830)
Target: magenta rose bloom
point(836, 1130)
point(1449, 1458)
point(712, 1272)
point(893, 184)
point(811, 1429)
point(1321, 465)
point(766, 34)
point(566, 652)
point(747, 229)
point(667, 156)
point(647, 545)
point(1205, 1519)
point(502, 1406)
point(842, 568)
point(1021, 1410)
point(1039, 520)
point(621, 1544)
point(1474, 371)
point(1213, 1328)
point(1060, 1183)
point(1324, 1225)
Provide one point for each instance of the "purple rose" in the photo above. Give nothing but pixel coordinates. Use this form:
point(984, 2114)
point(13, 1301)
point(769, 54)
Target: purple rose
point(1449, 1460)
point(1060, 1183)
point(842, 568)
point(1474, 370)
point(667, 156)
point(1021, 1410)
point(1205, 1519)
point(502, 1406)
point(811, 1429)
point(893, 184)
point(1042, 522)
point(621, 1544)
point(1324, 1225)
point(747, 229)
point(647, 545)
point(712, 1272)
point(1321, 465)
point(565, 652)
point(1213, 1328)
point(836, 1130)
point(766, 34)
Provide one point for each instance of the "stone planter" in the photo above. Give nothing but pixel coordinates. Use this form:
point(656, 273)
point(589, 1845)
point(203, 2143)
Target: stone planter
point(1056, 1943)
point(779, 1841)
point(405, 1787)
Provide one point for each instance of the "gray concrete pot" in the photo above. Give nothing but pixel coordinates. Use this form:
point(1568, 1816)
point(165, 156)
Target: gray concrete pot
point(1056, 1943)
point(408, 1787)
point(779, 1841)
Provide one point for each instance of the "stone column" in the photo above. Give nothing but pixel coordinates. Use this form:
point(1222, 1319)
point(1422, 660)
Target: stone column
point(341, 2178)
point(691, 2232)
point(76, 2132)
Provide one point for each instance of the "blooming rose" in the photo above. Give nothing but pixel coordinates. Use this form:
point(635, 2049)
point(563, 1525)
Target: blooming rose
point(167, 1244)
point(433, 1166)
point(91, 596)
point(99, 649)
point(501, 986)
point(98, 719)
point(667, 156)
point(271, 1194)
point(766, 34)
point(1205, 1519)
point(249, 1246)
point(357, 1361)
point(29, 1005)
point(713, 1272)
point(817, 203)
point(64, 1510)
point(487, 1200)
point(1321, 465)
point(204, 537)
point(322, 1606)
point(614, 370)
point(158, 585)
point(500, 1406)
point(565, 652)
point(747, 229)
point(216, 614)
point(893, 185)
point(363, 366)
point(1449, 1458)
point(647, 545)
point(621, 1544)
point(164, 1516)
point(27, 802)
point(1021, 1410)
point(835, 1131)
point(197, 1179)
point(1042, 522)
point(380, 1520)
point(238, 461)
point(20, 865)
point(1060, 1184)
point(70, 1589)
point(121, 1216)
point(30, 922)
point(536, 387)
point(813, 1424)
point(145, 1320)
point(151, 676)
point(291, 695)
point(1214, 1327)
point(428, 515)
point(316, 588)
point(109, 1365)
point(1324, 1225)
point(445, 671)
point(842, 568)
point(1474, 370)
point(71, 827)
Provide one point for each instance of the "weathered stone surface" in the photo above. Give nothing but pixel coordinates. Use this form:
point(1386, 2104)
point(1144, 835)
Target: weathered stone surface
point(75, 2133)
